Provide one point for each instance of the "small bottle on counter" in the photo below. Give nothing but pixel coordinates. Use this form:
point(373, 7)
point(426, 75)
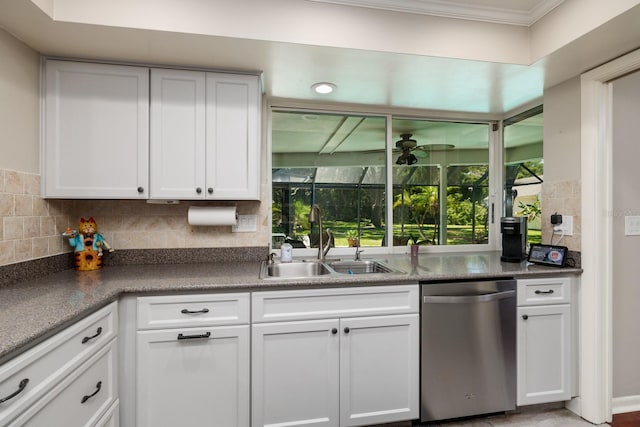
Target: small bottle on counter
point(286, 252)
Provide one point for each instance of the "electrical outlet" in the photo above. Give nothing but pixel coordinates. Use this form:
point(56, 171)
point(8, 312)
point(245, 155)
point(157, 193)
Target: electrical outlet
point(246, 223)
point(566, 226)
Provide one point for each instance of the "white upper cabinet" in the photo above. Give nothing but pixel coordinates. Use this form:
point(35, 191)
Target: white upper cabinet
point(113, 132)
point(96, 131)
point(177, 134)
point(233, 137)
point(205, 136)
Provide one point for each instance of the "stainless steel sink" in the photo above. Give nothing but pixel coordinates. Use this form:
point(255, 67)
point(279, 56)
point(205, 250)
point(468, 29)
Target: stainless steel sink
point(293, 270)
point(360, 267)
point(306, 269)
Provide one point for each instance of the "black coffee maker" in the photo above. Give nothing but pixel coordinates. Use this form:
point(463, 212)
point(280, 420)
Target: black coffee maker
point(514, 238)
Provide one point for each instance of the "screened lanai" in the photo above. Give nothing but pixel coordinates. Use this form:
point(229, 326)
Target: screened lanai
point(439, 180)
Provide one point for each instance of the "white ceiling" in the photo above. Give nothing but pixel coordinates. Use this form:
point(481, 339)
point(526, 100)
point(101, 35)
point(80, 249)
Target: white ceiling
point(385, 60)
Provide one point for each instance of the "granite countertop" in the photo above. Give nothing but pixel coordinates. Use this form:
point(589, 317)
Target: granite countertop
point(31, 311)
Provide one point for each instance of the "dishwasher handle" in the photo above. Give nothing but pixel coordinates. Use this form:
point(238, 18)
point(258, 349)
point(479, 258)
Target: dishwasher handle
point(461, 299)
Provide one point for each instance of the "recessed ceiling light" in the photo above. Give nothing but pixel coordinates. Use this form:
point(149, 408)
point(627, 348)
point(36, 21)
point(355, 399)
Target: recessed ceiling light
point(323, 88)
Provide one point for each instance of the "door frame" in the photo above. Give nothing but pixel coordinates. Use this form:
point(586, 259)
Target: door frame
point(596, 307)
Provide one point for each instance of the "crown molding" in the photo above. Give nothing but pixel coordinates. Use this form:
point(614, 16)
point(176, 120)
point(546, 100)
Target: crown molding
point(458, 9)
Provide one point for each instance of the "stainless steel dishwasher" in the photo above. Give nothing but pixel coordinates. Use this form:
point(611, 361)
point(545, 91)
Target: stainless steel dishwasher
point(468, 349)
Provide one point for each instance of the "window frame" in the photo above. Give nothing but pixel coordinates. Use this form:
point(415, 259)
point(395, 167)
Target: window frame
point(495, 173)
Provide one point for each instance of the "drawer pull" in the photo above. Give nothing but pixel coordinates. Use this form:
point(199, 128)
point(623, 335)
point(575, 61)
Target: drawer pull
point(334, 331)
point(347, 330)
point(194, 337)
point(185, 311)
point(550, 291)
point(21, 386)
point(525, 316)
point(87, 397)
point(87, 339)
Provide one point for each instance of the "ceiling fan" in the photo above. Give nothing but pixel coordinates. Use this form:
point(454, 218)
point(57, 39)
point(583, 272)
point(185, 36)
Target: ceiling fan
point(408, 146)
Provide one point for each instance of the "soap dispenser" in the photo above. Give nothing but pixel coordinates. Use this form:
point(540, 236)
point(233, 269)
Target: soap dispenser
point(286, 252)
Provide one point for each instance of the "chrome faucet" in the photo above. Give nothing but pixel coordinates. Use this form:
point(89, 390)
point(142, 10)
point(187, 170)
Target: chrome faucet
point(315, 216)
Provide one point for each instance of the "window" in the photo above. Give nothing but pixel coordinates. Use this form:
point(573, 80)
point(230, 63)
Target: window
point(524, 169)
point(442, 197)
point(337, 162)
point(430, 180)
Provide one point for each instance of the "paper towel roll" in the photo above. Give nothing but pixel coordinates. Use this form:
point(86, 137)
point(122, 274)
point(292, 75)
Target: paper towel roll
point(205, 215)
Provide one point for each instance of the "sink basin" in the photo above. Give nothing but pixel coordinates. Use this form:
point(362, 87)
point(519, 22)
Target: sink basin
point(360, 267)
point(306, 269)
point(293, 270)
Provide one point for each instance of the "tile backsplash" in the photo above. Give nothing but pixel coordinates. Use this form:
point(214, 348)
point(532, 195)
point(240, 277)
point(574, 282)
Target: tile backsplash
point(563, 197)
point(31, 227)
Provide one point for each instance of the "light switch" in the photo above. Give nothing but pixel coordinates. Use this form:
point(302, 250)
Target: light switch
point(632, 225)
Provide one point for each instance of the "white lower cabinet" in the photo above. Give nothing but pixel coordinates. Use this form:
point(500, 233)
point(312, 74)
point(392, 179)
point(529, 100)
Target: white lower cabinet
point(70, 379)
point(191, 361)
point(296, 373)
point(193, 377)
point(544, 341)
point(379, 378)
point(341, 371)
point(112, 417)
point(81, 398)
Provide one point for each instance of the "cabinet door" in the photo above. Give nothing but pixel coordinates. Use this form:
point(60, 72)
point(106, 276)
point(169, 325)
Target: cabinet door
point(177, 144)
point(379, 369)
point(544, 354)
point(193, 381)
point(96, 131)
point(233, 137)
point(295, 373)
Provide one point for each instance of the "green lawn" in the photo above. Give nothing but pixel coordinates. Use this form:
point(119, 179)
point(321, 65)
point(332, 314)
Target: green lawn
point(371, 236)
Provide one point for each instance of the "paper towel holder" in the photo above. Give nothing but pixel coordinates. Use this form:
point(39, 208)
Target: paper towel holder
point(212, 216)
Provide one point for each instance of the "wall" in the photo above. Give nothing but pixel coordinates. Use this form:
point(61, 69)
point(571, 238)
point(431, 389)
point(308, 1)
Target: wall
point(626, 269)
point(30, 227)
point(561, 187)
point(19, 105)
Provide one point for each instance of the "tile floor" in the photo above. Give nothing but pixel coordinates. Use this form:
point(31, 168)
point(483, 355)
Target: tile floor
point(554, 418)
point(544, 417)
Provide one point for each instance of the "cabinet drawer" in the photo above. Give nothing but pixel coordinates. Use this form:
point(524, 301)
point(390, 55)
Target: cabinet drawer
point(326, 303)
point(82, 398)
point(544, 291)
point(179, 311)
point(44, 365)
point(112, 417)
